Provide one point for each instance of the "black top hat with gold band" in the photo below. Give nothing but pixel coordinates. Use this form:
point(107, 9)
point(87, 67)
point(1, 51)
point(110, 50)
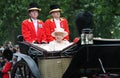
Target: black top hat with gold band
point(54, 8)
point(33, 6)
point(8, 54)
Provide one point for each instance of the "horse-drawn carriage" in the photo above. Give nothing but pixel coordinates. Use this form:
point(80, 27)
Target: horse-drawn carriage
point(37, 62)
point(91, 60)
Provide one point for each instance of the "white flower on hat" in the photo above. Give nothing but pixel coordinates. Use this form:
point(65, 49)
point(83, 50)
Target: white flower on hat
point(59, 30)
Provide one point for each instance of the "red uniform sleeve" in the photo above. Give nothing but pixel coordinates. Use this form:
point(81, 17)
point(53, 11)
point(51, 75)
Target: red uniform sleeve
point(26, 32)
point(48, 30)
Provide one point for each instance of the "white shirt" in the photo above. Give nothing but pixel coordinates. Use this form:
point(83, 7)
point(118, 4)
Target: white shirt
point(35, 24)
point(57, 23)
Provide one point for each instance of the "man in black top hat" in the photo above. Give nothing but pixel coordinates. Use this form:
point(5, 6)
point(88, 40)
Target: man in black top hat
point(56, 22)
point(33, 28)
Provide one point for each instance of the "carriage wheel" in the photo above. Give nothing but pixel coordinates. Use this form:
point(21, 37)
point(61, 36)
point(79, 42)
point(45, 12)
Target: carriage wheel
point(21, 70)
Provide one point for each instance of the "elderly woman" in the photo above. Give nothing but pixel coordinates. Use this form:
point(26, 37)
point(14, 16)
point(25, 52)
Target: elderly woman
point(59, 43)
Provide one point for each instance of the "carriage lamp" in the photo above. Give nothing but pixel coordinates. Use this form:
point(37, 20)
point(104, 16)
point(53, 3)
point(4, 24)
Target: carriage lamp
point(86, 36)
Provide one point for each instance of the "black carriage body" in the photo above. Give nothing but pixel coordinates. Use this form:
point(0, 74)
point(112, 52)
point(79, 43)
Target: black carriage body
point(87, 60)
point(96, 61)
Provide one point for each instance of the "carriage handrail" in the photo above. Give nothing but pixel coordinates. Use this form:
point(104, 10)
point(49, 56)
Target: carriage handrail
point(106, 39)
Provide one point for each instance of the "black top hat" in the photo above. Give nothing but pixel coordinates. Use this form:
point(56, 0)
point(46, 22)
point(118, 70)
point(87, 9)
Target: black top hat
point(54, 8)
point(33, 6)
point(8, 54)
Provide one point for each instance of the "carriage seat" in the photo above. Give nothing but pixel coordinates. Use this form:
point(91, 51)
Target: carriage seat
point(36, 49)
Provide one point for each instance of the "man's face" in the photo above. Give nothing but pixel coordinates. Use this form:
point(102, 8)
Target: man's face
point(56, 14)
point(33, 14)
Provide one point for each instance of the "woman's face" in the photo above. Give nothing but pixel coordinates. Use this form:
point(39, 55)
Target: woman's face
point(59, 37)
point(56, 14)
point(33, 14)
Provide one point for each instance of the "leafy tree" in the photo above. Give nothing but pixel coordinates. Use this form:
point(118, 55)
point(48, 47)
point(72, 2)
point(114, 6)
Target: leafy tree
point(106, 16)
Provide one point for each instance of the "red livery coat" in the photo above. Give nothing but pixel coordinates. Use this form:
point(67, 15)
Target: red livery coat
point(50, 26)
point(6, 69)
point(29, 33)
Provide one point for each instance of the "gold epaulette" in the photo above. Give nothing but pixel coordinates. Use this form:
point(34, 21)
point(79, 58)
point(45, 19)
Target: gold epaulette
point(51, 19)
point(62, 18)
point(29, 20)
point(39, 20)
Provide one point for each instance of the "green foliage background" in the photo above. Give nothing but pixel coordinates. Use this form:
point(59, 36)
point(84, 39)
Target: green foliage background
point(106, 16)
